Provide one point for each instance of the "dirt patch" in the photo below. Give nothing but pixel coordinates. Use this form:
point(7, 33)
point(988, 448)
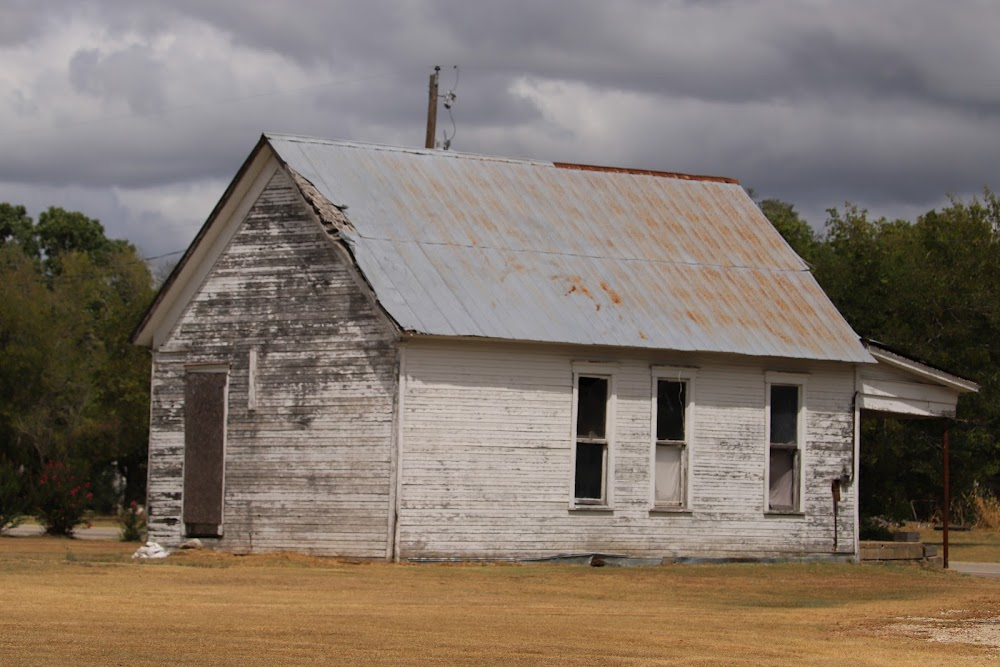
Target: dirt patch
point(953, 626)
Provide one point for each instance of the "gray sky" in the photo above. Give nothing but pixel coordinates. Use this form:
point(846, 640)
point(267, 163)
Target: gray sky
point(139, 113)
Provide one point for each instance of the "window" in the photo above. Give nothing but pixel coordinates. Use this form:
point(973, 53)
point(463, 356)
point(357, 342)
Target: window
point(670, 443)
point(591, 456)
point(671, 419)
point(785, 418)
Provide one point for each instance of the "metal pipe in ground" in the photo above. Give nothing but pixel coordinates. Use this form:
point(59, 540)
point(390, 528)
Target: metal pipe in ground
point(835, 488)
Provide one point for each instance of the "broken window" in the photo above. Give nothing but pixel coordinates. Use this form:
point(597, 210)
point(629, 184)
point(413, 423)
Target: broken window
point(590, 480)
point(204, 451)
point(670, 466)
point(784, 457)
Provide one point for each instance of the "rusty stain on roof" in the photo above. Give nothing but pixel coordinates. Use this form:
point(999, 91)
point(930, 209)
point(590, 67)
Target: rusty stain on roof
point(466, 245)
point(615, 299)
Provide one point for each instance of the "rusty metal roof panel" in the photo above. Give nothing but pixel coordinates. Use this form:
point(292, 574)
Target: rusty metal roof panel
point(466, 245)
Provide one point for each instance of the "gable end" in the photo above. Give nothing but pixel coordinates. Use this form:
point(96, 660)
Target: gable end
point(212, 240)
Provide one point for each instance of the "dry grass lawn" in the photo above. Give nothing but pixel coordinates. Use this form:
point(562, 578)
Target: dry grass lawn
point(86, 603)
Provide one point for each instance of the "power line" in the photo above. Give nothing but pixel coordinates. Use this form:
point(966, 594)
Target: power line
point(449, 101)
point(168, 254)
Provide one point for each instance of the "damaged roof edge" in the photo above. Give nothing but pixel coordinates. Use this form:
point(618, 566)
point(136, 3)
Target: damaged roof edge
point(338, 228)
point(331, 215)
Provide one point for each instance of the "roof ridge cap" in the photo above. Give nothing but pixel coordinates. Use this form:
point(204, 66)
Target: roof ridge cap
point(645, 172)
point(391, 148)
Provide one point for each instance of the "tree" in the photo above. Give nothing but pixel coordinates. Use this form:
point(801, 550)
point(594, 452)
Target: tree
point(16, 227)
point(77, 390)
point(792, 228)
point(859, 263)
point(932, 289)
point(60, 232)
point(27, 350)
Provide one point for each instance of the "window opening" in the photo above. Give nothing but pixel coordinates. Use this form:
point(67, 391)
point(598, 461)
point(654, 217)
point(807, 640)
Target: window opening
point(783, 451)
point(591, 439)
point(671, 444)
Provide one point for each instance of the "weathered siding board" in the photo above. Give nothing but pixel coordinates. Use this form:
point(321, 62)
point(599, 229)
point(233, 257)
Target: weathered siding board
point(308, 469)
point(485, 458)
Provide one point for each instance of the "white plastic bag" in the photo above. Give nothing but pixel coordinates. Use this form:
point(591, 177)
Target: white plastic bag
point(151, 550)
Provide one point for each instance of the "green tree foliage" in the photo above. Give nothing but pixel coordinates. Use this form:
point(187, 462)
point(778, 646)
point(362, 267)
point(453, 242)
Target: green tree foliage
point(60, 232)
point(793, 228)
point(75, 389)
point(931, 289)
point(16, 227)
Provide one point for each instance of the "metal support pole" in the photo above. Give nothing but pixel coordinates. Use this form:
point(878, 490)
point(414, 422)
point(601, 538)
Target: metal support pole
point(947, 500)
point(432, 108)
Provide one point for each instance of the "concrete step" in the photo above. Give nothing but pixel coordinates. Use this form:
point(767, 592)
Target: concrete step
point(892, 551)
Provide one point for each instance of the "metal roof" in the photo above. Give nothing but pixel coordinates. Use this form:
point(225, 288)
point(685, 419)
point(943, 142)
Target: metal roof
point(464, 245)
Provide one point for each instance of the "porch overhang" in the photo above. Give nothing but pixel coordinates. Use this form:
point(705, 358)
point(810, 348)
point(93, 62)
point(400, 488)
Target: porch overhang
point(902, 387)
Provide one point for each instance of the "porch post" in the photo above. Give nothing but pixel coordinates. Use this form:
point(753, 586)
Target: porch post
point(947, 500)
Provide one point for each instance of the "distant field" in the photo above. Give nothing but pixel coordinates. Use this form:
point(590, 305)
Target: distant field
point(981, 546)
point(86, 602)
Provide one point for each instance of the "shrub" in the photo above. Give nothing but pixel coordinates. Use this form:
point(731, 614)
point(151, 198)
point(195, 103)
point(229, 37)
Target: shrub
point(132, 521)
point(15, 496)
point(987, 509)
point(63, 499)
point(875, 528)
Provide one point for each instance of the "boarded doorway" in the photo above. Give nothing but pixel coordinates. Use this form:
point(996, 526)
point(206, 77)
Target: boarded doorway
point(205, 398)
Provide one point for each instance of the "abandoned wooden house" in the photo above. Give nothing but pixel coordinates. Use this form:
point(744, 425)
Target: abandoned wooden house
point(381, 352)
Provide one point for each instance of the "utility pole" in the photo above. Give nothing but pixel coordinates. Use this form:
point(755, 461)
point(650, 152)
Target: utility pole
point(432, 108)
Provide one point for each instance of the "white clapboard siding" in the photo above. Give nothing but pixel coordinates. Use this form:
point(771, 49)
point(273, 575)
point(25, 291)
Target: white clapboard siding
point(485, 461)
point(309, 468)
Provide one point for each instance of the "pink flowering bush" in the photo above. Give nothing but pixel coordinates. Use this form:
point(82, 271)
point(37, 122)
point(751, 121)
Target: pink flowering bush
point(63, 499)
point(132, 521)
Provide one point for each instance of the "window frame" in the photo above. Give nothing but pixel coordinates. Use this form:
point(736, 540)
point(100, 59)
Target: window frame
point(606, 371)
point(687, 377)
point(800, 448)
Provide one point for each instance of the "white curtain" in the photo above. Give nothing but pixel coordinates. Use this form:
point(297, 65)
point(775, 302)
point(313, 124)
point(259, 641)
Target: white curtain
point(782, 478)
point(668, 475)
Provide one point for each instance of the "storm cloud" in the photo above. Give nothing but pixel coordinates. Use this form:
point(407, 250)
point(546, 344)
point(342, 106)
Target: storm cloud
point(140, 113)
